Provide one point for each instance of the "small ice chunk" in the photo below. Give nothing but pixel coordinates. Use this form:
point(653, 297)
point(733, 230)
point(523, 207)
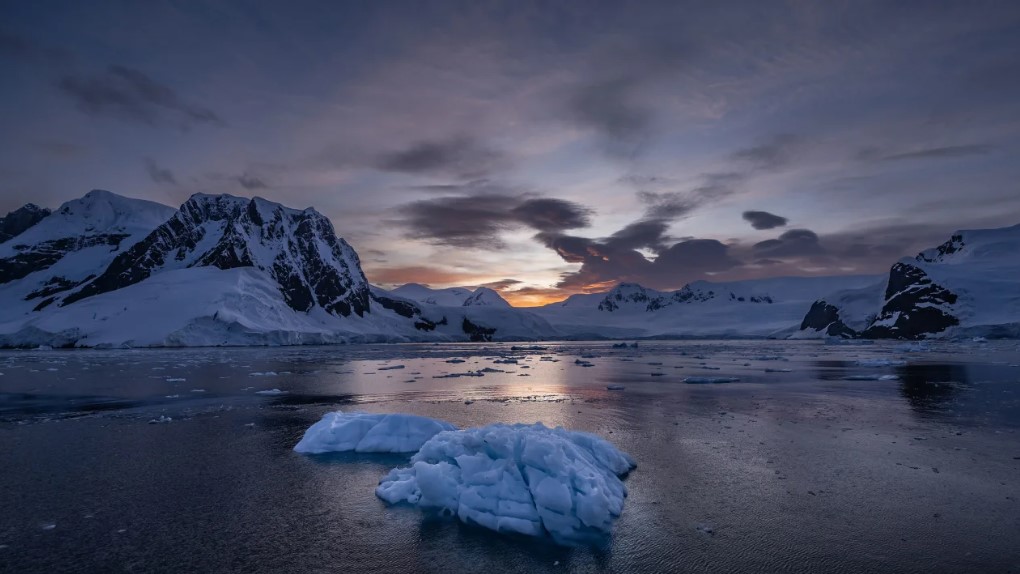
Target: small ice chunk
point(160, 420)
point(524, 479)
point(881, 363)
point(271, 392)
point(710, 380)
point(366, 432)
point(872, 377)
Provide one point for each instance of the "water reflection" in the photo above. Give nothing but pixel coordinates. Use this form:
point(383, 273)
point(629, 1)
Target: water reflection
point(930, 388)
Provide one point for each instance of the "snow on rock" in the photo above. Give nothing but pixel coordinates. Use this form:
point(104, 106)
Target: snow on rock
point(366, 432)
point(525, 479)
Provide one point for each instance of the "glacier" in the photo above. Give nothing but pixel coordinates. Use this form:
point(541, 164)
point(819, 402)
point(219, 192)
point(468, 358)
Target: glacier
point(523, 479)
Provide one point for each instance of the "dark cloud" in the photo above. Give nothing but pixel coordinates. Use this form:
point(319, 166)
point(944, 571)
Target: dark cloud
point(695, 256)
point(478, 220)
point(251, 182)
point(460, 157)
point(604, 263)
point(792, 243)
point(132, 95)
point(502, 284)
point(647, 233)
point(875, 154)
point(159, 174)
point(608, 108)
point(549, 214)
point(763, 219)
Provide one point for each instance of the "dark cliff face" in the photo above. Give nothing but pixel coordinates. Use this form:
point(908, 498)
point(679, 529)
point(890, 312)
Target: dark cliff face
point(954, 245)
point(20, 220)
point(823, 316)
point(914, 306)
point(299, 249)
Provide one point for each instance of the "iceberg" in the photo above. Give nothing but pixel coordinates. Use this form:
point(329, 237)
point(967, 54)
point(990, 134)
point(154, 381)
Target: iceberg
point(524, 479)
point(366, 432)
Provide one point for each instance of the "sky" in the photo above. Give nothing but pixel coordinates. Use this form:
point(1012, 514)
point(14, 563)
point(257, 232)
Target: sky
point(539, 148)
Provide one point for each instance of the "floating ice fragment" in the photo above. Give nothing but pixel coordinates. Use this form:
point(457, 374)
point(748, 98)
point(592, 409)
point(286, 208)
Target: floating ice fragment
point(525, 479)
point(366, 432)
point(271, 392)
point(871, 377)
point(710, 380)
point(881, 363)
point(160, 420)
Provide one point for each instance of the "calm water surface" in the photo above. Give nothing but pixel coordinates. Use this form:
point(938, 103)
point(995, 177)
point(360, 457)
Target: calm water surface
point(794, 468)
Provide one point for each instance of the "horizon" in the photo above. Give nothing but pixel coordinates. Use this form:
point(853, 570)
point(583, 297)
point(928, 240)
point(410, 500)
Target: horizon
point(540, 150)
point(506, 295)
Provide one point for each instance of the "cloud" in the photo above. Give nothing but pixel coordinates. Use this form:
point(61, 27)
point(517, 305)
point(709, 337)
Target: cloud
point(792, 243)
point(502, 284)
point(460, 157)
point(132, 95)
point(159, 174)
point(776, 153)
point(478, 220)
point(609, 109)
point(607, 262)
point(649, 233)
point(763, 219)
point(426, 275)
point(874, 154)
point(251, 182)
point(549, 214)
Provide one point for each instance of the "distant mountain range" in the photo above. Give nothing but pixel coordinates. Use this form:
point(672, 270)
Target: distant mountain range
point(111, 271)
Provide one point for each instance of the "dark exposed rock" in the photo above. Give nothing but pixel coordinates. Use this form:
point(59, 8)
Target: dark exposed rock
point(20, 220)
point(954, 244)
point(915, 306)
point(477, 332)
point(32, 258)
point(55, 285)
point(409, 310)
point(823, 316)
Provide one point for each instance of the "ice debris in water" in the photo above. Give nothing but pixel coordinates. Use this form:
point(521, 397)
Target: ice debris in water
point(871, 377)
point(881, 363)
point(366, 432)
point(526, 479)
point(271, 392)
point(710, 380)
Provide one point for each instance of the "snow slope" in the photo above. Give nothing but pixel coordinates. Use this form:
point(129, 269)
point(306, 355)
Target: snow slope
point(451, 296)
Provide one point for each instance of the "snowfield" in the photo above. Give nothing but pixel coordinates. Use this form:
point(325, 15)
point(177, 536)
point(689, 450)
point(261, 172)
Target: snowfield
point(524, 479)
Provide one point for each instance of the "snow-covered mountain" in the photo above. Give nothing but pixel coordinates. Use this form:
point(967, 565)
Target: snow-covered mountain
point(969, 285)
point(451, 296)
point(67, 248)
point(753, 308)
point(109, 271)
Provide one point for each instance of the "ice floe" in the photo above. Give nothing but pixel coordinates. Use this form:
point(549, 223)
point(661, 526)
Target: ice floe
point(525, 479)
point(366, 432)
